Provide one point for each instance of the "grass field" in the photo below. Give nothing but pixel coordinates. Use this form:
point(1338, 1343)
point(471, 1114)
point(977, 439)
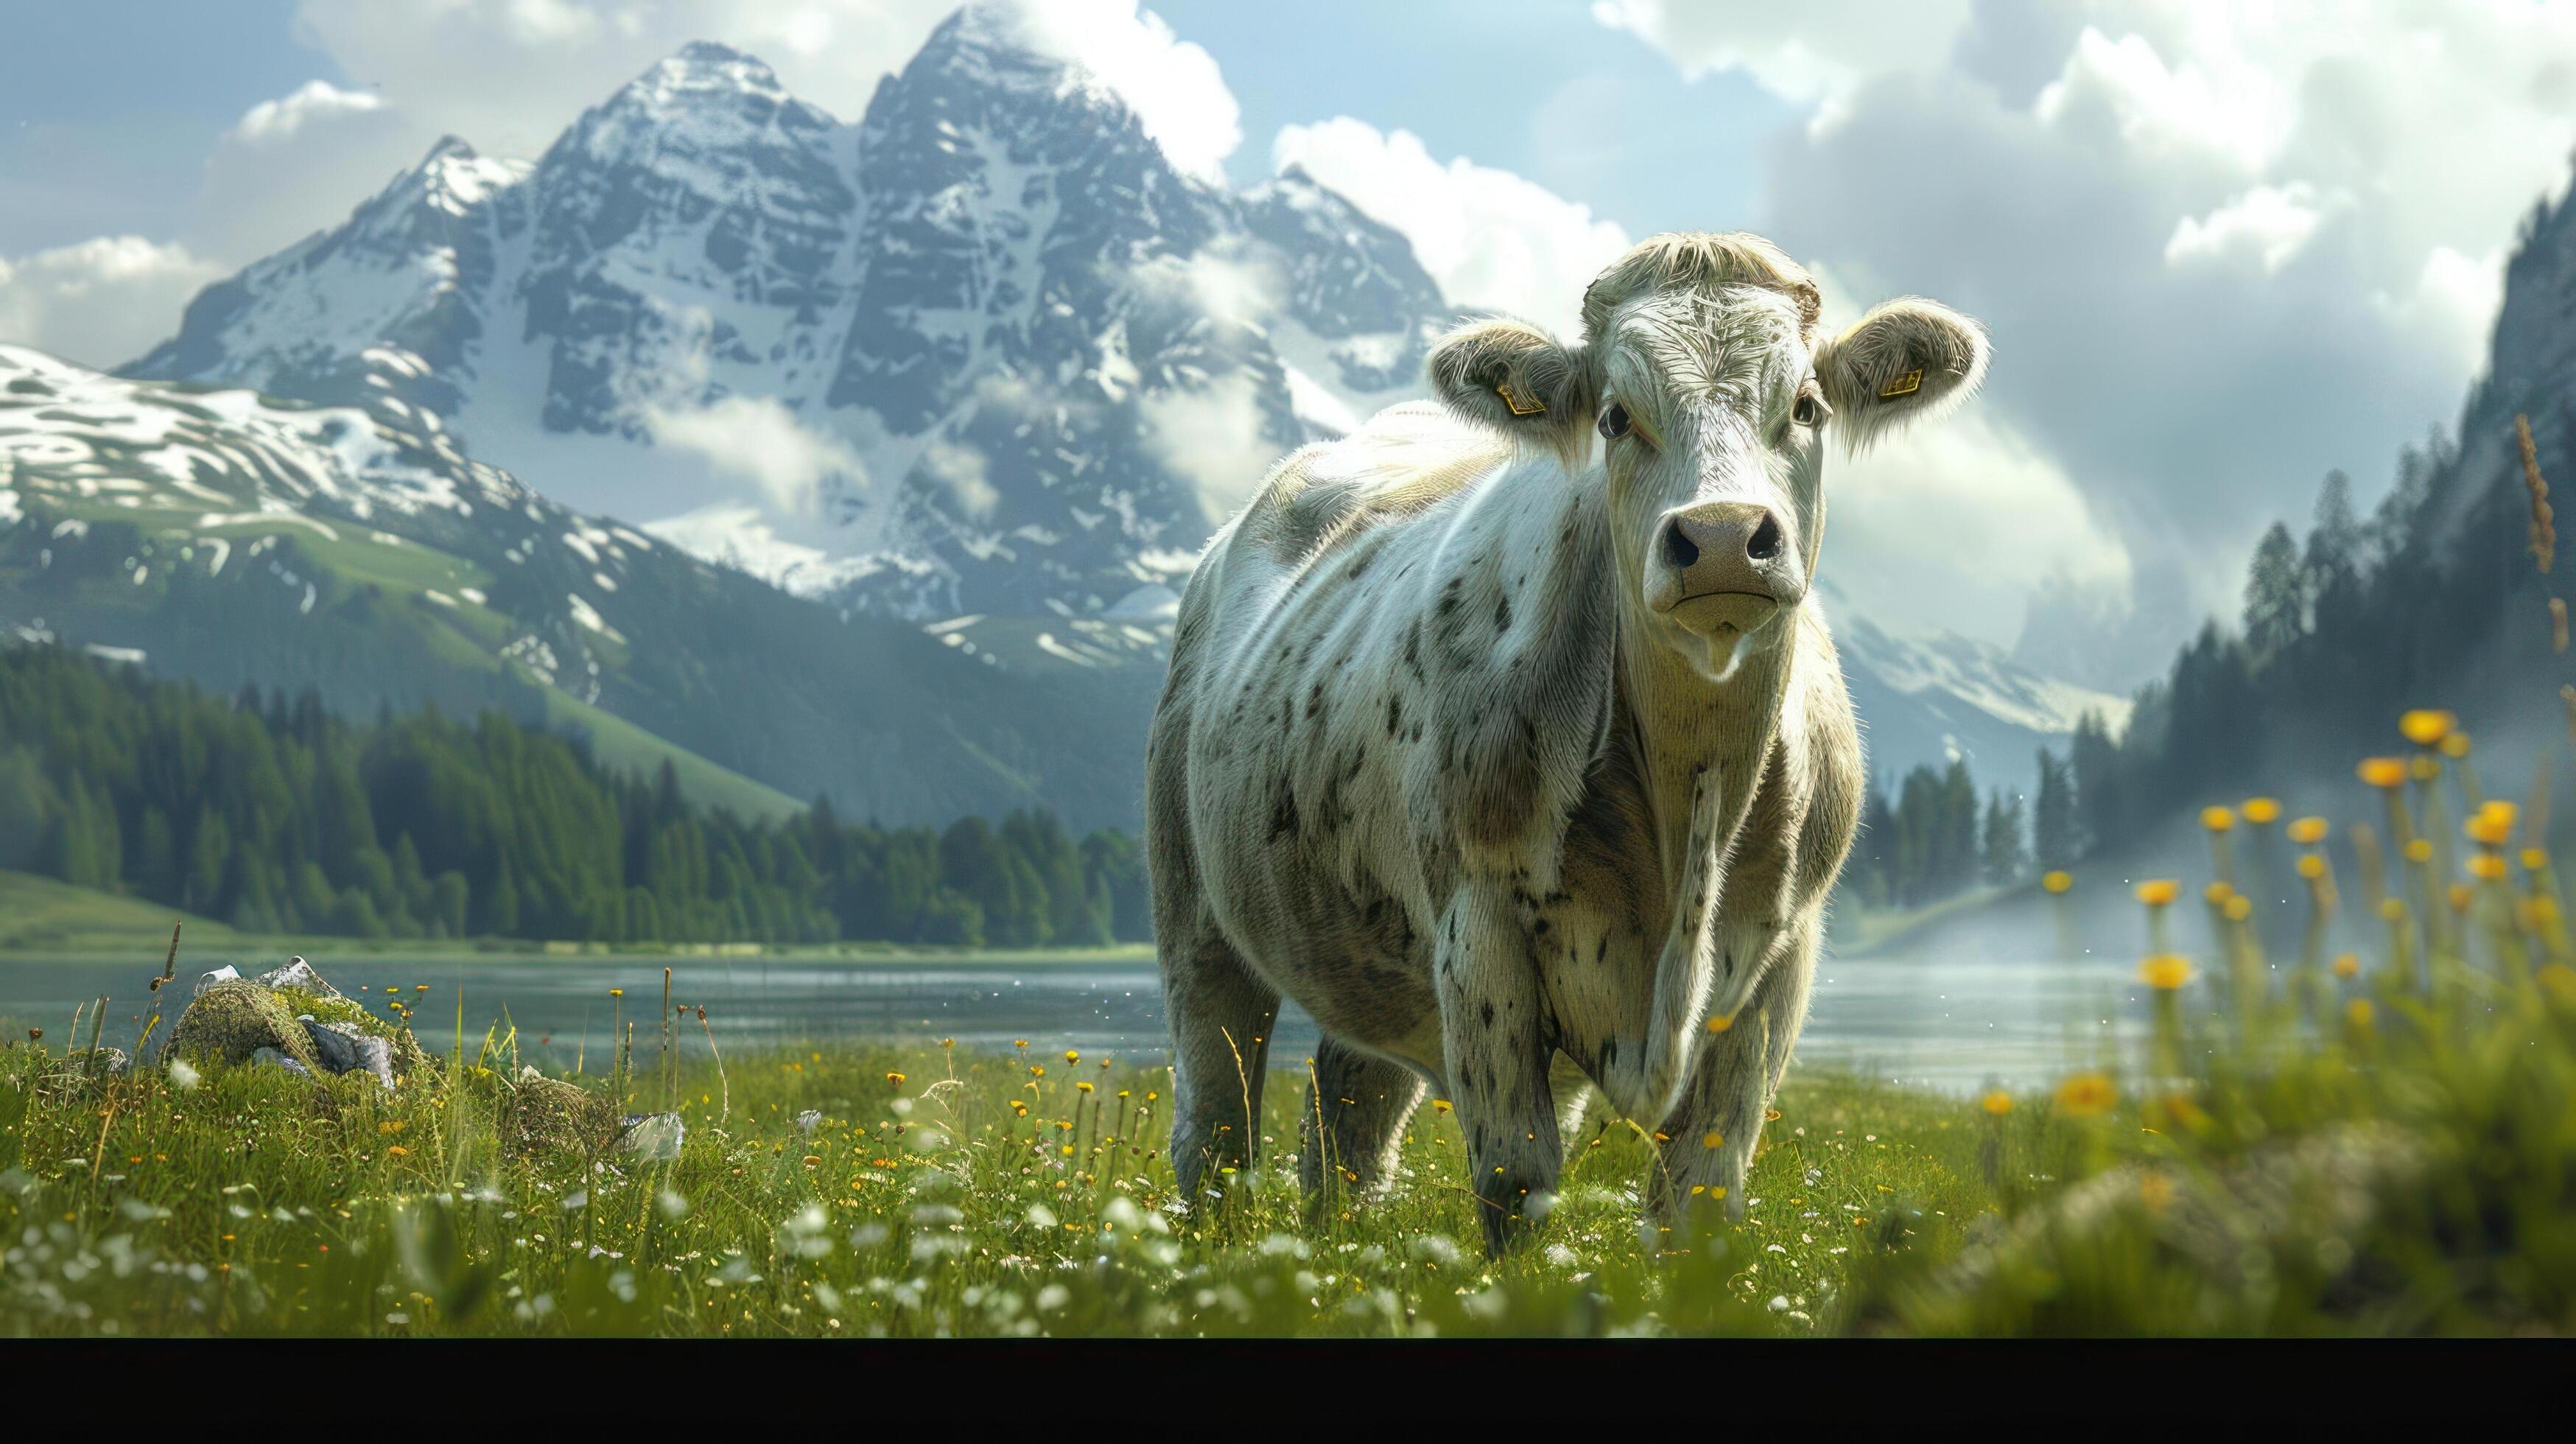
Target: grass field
point(2345, 1147)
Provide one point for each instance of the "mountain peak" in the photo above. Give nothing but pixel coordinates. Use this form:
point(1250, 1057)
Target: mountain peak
point(700, 70)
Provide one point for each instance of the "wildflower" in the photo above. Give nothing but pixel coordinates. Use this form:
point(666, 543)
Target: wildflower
point(2425, 728)
point(617, 992)
point(2056, 880)
point(2383, 772)
point(397, 1151)
point(2489, 829)
point(2087, 1095)
point(2165, 971)
point(2358, 1012)
point(1997, 1103)
point(2262, 811)
point(2456, 746)
point(2312, 866)
point(420, 987)
point(2544, 910)
point(895, 1078)
point(1712, 1139)
point(2218, 893)
point(2534, 860)
point(2217, 819)
point(2156, 1191)
point(35, 1035)
point(2487, 867)
point(182, 1077)
point(1721, 1022)
point(2425, 769)
point(1070, 1056)
point(2157, 892)
point(2459, 895)
point(2308, 831)
point(1440, 1105)
point(2238, 907)
point(2393, 909)
point(2347, 965)
point(1084, 1087)
point(2419, 849)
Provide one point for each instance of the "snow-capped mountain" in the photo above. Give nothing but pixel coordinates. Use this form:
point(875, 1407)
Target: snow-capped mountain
point(235, 539)
point(1926, 699)
point(983, 350)
point(981, 360)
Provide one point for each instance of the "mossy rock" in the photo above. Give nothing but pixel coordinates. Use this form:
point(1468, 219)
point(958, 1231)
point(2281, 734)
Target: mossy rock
point(541, 1115)
point(410, 1060)
point(234, 1019)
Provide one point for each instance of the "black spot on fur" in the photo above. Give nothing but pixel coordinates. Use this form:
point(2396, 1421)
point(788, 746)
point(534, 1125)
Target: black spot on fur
point(1502, 613)
point(1394, 714)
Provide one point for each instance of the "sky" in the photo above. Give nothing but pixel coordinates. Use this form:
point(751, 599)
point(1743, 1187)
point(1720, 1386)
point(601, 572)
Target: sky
point(2221, 248)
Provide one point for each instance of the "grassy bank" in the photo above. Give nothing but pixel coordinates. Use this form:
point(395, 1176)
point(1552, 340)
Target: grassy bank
point(43, 918)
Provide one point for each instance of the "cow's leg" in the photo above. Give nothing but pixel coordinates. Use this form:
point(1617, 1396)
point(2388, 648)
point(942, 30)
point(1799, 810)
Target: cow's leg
point(1494, 1035)
point(1221, 1014)
point(1709, 1137)
point(1573, 1090)
point(1356, 1105)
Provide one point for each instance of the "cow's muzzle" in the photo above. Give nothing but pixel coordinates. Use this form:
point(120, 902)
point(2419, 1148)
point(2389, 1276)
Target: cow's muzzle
point(1724, 565)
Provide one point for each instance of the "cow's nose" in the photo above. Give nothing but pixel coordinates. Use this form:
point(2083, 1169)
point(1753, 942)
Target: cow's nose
point(1723, 547)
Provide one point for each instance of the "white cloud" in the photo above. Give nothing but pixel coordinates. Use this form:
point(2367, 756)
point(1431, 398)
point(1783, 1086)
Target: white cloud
point(757, 439)
point(317, 101)
point(101, 302)
point(1173, 85)
point(1216, 437)
point(1491, 238)
point(2267, 224)
point(1807, 52)
point(2222, 249)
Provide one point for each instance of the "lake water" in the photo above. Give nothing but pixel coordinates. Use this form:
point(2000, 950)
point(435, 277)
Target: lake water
point(1957, 1026)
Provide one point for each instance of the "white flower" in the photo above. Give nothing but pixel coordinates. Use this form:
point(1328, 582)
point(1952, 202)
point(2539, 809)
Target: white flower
point(183, 1077)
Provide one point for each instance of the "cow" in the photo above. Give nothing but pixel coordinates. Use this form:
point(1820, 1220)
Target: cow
point(1525, 767)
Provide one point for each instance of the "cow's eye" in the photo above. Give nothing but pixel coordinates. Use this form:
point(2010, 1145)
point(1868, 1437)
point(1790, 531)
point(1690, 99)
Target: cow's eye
point(1810, 410)
point(1614, 421)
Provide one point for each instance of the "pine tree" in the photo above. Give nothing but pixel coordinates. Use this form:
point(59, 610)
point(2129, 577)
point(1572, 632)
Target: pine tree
point(2002, 853)
point(2276, 603)
point(2053, 841)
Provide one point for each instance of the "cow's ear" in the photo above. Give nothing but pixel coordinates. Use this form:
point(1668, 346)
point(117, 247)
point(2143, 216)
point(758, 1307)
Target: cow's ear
point(1903, 362)
point(1517, 379)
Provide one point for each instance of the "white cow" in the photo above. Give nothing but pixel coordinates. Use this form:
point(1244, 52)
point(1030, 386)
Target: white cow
point(1506, 759)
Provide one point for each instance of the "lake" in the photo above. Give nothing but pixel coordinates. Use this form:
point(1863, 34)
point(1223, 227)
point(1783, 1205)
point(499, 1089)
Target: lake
point(1953, 1025)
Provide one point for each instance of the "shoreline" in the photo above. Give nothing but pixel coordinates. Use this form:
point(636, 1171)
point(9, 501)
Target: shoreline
point(323, 952)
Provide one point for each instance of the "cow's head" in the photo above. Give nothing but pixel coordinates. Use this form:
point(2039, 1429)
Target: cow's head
point(1702, 372)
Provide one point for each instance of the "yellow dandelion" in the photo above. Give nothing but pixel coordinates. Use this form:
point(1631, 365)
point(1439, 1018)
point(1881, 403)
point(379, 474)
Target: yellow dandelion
point(2156, 892)
point(1440, 1105)
point(2056, 880)
point(1712, 1139)
point(2347, 965)
point(2382, 772)
point(2459, 895)
point(1997, 1103)
point(2218, 893)
point(2165, 971)
point(2456, 745)
point(2425, 768)
point(2217, 819)
point(2425, 727)
point(2358, 1012)
point(2544, 910)
point(1083, 1087)
point(2262, 811)
point(1071, 1056)
point(2393, 909)
point(617, 992)
point(2487, 867)
point(397, 1151)
point(2311, 866)
point(2087, 1095)
point(895, 1078)
point(2308, 831)
point(2419, 849)
point(2238, 907)
point(2534, 859)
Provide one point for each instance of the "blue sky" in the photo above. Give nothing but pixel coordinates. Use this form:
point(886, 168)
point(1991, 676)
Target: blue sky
point(2281, 228)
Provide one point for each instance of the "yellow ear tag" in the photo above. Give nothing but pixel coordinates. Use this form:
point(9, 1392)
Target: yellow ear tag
point(1905, 385)
point(1520, 405)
